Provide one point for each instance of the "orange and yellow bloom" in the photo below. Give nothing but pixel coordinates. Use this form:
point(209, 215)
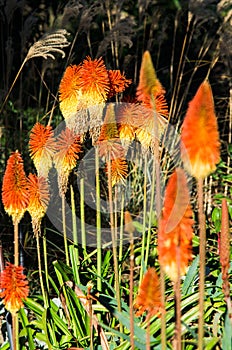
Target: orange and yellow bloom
point(150, 93)
point(42, 148)
point(200, 144)
point(38, 200)
point(14, 287)
point(68, 148)
point(14, 188)
point(175, 227)
point(149, 295)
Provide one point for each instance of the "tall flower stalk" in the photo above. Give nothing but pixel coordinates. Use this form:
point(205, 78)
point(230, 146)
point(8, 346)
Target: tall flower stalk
point(200, 152)
point(148, 299)
point(15, 201)
point(38, 202)
point(175, 237)
point(68, 149)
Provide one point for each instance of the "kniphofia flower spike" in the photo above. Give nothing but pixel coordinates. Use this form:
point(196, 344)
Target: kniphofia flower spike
point(175, 227)
point(149, 294)
point(14, 287)
point(200, 145)
point(14, 188)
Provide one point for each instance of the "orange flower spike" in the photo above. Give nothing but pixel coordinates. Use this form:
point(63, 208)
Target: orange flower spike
point(150, 87)
point(14, 188)
point(42, 148)
point(148, 81)
point(200, 144)
point(175, 228)
point(119, 170)
point(126, 114)
point(38, 200)
point(69, 91)
point(108, 141)
point(94, 81)
point(14, 287)
point(68, 149)
point(149, 294)
point(118, 82)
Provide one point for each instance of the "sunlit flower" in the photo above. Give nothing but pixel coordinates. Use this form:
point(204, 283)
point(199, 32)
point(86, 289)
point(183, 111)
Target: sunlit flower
point(14, 188)
point(69, 90)
point(126, 114)
point(94, 82)
point(68, 149)
point(109, 143)
point(38, 200)
point(175, 227)
point(150, 93)
point(149, 295)
point(118, 82)
point(42, 147)
point(118, 168)
point(14, 287)
point(200, 145)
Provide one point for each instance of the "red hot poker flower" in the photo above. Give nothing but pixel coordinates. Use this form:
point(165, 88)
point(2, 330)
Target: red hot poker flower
point(42, 148)
point(38, 200)
point(149, 295)
point(14, 188)
point(94, 81)
point(118, 82)
point(200, 145)
point(69, 91)
point(175, 228)
point(68, 149)
point(14, 287)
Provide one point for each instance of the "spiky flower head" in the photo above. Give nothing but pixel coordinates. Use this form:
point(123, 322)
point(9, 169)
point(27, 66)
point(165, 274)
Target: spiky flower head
point(14, 188)
point(118, 82)
point(119, 170)
point(14, 287)
point(69, 91)
point(109, 143)
point(38, 200)
point(200, 144)
point(42, 148)
point(68, 148)
point(175, 227)
point(151, 94)
point(149, 294)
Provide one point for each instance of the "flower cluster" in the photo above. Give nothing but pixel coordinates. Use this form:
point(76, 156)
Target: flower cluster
point(14, 287)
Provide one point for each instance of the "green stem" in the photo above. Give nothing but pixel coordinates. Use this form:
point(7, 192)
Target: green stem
point(74, 219)
point(202, 264)
point(112, 228)
point(177, 290)
point(40, 269)
point(131, 297)
point(45, 259)
point(148, 333)
point(144, 219)
point(120, 253)
point(150, 213)
point(64, 229)
point(82, 214)
point(98, 221)
point(163, 314)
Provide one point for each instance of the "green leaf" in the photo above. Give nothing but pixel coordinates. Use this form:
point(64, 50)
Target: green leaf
point(189, 279)
point(227, 334)
point(27, 328)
